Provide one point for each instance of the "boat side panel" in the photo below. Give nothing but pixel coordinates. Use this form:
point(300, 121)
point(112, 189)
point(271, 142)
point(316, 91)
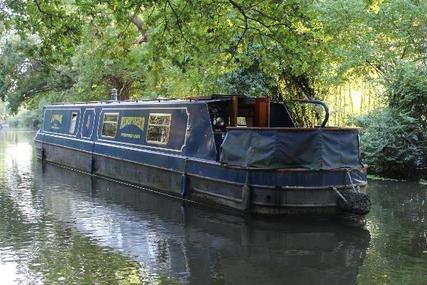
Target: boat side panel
point(133, 124)
point(263, 200)
point(190, 135)
point(266, 200)
point(74, 143)
point(67, 157)
point(153, 158)
point(165, 181)
point(57, 121)
point(278, 178)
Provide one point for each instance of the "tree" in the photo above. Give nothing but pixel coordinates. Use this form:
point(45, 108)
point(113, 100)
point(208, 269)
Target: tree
point(195, 45)
point(285, 49)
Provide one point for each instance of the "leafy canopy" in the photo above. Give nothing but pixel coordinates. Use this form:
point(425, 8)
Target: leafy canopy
point(79, 49)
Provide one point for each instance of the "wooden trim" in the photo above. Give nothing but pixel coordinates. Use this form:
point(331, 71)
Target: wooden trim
point(234, 111)
point(262, 112)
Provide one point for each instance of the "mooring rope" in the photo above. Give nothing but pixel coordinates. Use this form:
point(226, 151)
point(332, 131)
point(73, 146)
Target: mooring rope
point(351, 181)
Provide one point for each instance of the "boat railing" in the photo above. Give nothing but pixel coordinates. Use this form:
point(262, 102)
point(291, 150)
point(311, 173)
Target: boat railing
point(190, 99)
point(212, 97)
point(315, 102)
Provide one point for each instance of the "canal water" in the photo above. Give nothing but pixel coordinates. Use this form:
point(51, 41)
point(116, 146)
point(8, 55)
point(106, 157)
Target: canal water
point(62, 227)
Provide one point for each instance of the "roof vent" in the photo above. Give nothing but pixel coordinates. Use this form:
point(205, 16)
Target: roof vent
point(114, 96)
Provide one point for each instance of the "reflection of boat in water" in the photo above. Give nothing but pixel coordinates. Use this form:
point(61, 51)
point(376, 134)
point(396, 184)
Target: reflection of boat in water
point(239, 152)
point(196, 245)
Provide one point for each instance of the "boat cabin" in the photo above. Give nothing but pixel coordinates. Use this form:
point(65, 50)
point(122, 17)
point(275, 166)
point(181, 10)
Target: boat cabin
point(226, 129)
point(163, 123)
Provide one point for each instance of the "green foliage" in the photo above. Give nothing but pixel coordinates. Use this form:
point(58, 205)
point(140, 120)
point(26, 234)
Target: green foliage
point(407, 91)
point(250, 81)
point(374, 38)
point(393, 144)
point(166, 48)
point(395, 140)
point(292, 49)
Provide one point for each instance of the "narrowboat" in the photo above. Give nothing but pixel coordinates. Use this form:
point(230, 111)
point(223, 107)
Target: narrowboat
point(237, 152)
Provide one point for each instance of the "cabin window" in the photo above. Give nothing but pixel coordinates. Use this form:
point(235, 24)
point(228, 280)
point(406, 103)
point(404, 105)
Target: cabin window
point(241, 122)
point(109, 125)
point(159, 128)
point(73, 123)
point(56, 121)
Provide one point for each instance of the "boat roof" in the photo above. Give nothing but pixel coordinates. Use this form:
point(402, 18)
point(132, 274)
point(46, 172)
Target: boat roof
point(166, 101)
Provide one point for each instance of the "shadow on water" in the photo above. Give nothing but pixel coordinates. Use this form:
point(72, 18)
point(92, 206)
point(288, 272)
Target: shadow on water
point(60, 226)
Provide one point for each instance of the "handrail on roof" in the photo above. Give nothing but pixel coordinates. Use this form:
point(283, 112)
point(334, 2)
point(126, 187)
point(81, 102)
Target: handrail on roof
point(190, 99)
point(316, 102)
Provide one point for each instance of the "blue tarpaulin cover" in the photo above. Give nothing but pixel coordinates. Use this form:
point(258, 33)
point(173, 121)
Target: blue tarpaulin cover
point(315, 149)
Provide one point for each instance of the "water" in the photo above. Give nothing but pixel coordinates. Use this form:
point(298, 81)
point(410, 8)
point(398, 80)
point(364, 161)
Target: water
point(63, 227)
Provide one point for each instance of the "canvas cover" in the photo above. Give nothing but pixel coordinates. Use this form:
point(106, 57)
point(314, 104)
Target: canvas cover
point(314, 149)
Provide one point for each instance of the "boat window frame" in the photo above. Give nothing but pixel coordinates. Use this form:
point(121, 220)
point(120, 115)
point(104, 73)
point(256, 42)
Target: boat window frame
point(91, 113)
point(73, 120)
point(114, 122)
point(168, 127)
point(52, 118)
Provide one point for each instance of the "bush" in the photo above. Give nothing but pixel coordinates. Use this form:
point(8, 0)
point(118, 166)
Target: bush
point(406, 90)
point(393, 144)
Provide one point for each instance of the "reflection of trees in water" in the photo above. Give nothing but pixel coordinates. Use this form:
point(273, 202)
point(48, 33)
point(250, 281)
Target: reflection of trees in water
point(40, 249)
point(397, 224)
point(47, 252)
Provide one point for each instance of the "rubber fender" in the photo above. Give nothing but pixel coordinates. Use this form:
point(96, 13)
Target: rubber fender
point(355, 202)
point(91, 166)
point(184, 186)
point(246, 197)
